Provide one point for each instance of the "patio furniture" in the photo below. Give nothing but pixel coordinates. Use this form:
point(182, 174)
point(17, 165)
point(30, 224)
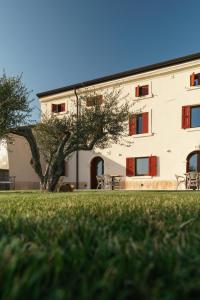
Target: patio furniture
point(107, 185)
point(116, 179)
point(100, 182)
point(192, 180)
point(180, 180)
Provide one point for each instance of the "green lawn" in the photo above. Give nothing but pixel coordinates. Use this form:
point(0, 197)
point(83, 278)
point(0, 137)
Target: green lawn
point(95, 245)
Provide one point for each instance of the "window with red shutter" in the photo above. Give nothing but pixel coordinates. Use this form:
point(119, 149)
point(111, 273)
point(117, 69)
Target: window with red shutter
point(141, 91)
point(56, 108)
point(194, 79)
point(94, 100)
point(139, 123)
point(186, 117)
point(152, 165)
point(130, 166)
point(141, 166)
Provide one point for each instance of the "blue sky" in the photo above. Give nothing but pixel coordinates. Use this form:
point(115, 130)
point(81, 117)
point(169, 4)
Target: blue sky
point(60, 42)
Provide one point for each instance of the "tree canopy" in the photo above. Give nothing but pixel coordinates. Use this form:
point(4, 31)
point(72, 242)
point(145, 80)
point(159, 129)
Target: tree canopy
point(15, 109)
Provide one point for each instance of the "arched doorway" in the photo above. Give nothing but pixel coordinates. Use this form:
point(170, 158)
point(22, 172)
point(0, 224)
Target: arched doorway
point(193, 162)
point(96, 169)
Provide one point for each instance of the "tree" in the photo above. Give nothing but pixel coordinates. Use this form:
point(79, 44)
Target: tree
point(15, 109)
point(55, 139)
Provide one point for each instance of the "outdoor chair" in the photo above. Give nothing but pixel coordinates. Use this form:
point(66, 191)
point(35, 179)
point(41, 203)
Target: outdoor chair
point(100, 182)
point(116, 183)
point(192, 180)
point(180, 180)
point(107, 182)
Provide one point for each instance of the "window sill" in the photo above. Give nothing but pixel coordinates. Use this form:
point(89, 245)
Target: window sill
point(192, 88)
point(140, 177)
point(143, 97)
point(141, 135)
point(59, 113)
point(192, 129)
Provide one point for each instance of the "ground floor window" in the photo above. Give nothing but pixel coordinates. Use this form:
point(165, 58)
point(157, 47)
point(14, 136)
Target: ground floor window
point(193, 162)
point(142, 166)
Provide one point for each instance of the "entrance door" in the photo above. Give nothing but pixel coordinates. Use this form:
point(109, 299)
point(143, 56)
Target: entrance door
point(96, 169)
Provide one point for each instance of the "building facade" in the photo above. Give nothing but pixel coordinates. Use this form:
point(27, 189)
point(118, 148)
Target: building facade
point(164, 127)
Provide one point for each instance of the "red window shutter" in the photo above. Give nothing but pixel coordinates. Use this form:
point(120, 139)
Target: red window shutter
point(137, 91)
point(186, 117)
point(89, 102)
point(145, 122)
point(62, 107)
point(199, 79)
point(192, 79)
point(130, 166)
point(53, 108)
point(152, 165)
point(132, 125)
point(100, 99)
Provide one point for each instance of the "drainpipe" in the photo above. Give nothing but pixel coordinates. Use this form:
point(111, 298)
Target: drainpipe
point(77, 151)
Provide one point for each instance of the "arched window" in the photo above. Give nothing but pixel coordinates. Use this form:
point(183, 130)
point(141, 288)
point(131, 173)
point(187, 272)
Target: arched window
point(193, 162)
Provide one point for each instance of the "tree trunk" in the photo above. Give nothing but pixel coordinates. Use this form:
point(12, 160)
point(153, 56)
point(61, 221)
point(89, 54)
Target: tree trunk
point(43, 185)
point(49, 180)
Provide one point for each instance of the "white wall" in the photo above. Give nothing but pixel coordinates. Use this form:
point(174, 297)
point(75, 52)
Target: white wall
point(170, 90)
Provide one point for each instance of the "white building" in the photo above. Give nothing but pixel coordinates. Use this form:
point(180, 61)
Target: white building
point(165, 128)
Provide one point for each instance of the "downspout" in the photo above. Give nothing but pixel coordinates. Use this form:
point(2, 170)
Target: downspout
point(77, 151)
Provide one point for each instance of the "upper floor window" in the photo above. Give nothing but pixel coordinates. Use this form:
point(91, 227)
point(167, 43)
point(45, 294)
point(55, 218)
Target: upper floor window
point(190, 116)
point(56, 108)
point(141, 166)
point(194, 79)
point(141, 91)
point(94, 100)
point(138, 123)
point(195, 116)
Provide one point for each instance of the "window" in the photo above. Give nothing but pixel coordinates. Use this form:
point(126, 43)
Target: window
point(190, 116)
point(139, 123)
point(195, 116)
point(193, 162)
point(194, 79)
point(141, 166)
point(94, 100)
point(141, 91)
point(56, 108)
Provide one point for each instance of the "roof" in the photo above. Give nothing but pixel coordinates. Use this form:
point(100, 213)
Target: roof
point(131, 72)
